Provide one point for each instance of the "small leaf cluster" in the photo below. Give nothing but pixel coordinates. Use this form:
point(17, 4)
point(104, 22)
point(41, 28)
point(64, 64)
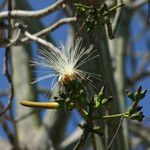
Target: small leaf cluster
point(135, 112)
point(71, 96)
point(74, 96)
point(92, 16)
point(100, 99)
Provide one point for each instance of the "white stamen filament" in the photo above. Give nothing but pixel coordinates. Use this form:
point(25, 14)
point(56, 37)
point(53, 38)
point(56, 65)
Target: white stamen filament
point(65, 63)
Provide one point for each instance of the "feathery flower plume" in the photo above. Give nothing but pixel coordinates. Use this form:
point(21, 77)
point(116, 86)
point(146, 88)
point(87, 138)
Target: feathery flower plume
point(65, 64)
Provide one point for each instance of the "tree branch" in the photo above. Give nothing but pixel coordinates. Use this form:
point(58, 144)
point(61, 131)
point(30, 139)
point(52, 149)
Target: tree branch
point(34, 14)
point(52, 27)
point(137, 77)
point(112, 28)
point(40, 40)
point(117, 17)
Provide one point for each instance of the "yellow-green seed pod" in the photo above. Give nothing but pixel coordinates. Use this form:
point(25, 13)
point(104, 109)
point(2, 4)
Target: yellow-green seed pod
point(45, 105)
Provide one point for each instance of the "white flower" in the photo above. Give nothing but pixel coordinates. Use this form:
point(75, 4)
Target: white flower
point(66, 63)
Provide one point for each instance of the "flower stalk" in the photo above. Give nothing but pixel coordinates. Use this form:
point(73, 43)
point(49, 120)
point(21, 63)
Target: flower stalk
point(124, 115)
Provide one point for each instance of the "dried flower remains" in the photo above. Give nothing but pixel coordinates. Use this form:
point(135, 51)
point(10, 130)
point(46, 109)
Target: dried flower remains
point(65, 63)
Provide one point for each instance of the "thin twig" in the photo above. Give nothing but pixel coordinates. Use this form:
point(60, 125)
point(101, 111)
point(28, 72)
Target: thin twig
point(121, 120)
point(13, 41)
point(8, 132)
point(8, 75)
point(6, 70)
point(87, 128)
point(5, 127)
point(33, 14)
point(79, 31)
point(117, 17)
